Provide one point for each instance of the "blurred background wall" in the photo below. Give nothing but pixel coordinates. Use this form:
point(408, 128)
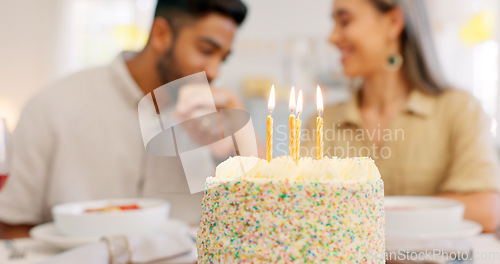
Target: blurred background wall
point(28, 35)
point(282, 42)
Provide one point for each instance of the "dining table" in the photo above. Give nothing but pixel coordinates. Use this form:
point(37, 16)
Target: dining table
point(32, 250)
point(485, 250)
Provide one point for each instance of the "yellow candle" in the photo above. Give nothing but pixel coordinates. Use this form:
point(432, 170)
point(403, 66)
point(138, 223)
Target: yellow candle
point(319, 124)
point(269, 134)
point(291, 124)
point(298, 126)
point(319, 137)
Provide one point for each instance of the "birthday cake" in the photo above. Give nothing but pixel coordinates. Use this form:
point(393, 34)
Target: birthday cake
point(319, 211)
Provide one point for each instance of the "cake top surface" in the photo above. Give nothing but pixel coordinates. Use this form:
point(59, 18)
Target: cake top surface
point(307, 169)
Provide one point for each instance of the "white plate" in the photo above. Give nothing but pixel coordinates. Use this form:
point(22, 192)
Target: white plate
point(48, 233)
point(422, 214)
point(465, 229)
point(71, 219)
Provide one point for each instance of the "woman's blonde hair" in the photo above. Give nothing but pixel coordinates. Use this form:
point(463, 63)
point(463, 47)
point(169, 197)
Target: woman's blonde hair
point(421, 66)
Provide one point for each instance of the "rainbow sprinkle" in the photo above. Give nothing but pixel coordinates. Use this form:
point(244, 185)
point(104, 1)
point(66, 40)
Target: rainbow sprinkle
point(280, 221)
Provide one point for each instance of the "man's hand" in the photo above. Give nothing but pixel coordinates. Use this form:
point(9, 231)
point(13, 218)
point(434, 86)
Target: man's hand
point(481, 207)
point(195, 103)
point(225, 99)
point(14, 231)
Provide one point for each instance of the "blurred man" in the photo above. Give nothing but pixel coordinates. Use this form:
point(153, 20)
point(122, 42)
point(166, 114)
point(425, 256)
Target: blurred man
point(80, 139)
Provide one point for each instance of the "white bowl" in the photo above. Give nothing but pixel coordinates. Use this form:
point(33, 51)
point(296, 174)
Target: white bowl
point(419, 214)
point(71, 219)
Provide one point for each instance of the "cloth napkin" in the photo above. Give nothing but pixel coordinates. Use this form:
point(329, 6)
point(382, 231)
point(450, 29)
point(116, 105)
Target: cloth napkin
point(163, 248)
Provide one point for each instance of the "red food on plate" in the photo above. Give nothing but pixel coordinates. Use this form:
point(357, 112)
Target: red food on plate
point(114, 208)
point(130, 207)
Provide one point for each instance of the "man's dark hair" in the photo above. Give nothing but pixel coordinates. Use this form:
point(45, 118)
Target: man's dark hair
point(177, 12)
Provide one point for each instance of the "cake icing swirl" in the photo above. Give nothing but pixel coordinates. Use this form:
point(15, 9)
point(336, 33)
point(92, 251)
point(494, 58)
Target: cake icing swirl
point(326, 169)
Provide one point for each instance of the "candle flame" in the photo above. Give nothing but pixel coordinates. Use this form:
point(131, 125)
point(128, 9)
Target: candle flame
point(319, 100)
point(299, 103)
point(292, 99)
point(271, 103)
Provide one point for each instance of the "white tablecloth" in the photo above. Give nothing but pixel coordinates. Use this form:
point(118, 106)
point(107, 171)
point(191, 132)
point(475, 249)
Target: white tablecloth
point(486, 249)
point(35, 251)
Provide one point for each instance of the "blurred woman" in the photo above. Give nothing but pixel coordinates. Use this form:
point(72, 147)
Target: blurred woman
point(426, 138)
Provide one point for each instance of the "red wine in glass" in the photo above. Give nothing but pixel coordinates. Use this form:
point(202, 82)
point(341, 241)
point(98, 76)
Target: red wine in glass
point(4, 151)
point(3, 179)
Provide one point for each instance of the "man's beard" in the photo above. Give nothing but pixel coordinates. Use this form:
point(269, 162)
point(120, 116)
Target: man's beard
point(168, 67)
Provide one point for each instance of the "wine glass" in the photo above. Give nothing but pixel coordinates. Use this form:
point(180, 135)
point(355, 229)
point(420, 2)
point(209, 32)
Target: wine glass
point(4, 151)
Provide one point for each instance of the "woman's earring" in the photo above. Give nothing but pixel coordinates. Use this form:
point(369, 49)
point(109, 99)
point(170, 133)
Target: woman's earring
point(394, 62)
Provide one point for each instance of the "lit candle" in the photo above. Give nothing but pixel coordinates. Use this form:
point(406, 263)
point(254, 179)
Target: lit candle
point(298, 125)
point(269, 134)
point(291, 123)
point(319, 124)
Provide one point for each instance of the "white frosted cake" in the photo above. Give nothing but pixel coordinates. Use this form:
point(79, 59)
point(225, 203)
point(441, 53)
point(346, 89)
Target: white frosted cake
point(321, 211)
